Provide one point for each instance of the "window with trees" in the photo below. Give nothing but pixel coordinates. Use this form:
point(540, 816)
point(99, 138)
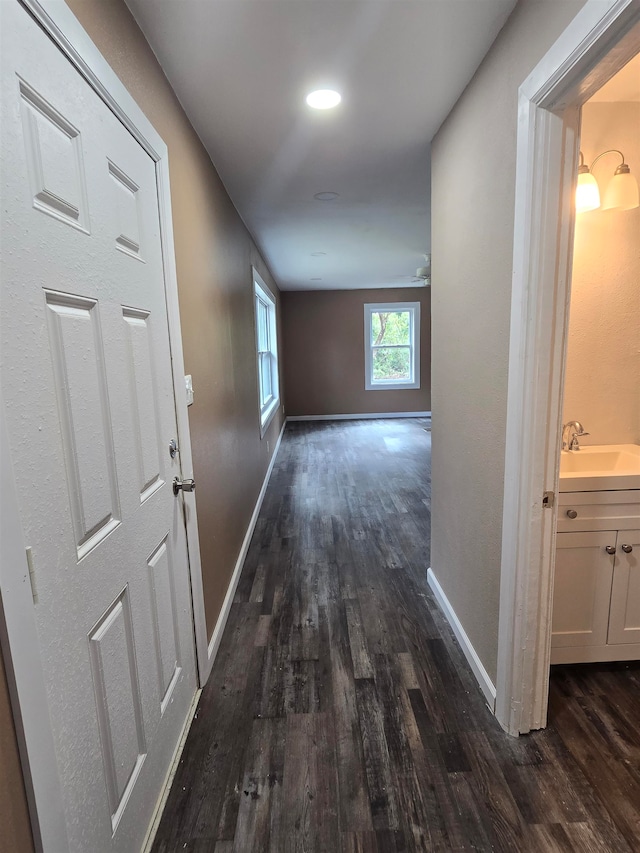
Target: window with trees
point(267, 351)
point(392, 345)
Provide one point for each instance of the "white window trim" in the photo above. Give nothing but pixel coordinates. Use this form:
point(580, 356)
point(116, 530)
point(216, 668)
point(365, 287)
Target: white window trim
point(370, 384)
point(267, 412)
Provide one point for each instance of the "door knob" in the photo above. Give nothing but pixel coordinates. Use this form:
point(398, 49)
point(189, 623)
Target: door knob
point(183, 485)
point(610, 549)
point(627, 549)
point(572, 513)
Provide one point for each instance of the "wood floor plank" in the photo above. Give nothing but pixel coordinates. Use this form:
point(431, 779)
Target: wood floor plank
point(341, 714)
point(597, 837)
point(359, 842)
point(362, 666)
point(615, 786)
point(416, 803)
point(257, 587)
point(407, 671)
point(241, 716)
point(382, 795)
point(492, 790)
point(444, 817)
point(310, 819)
point(473, 821)
point(262, 631)
point(548, 837)
point(261, 789)
point(355, 809)
point(304, 640)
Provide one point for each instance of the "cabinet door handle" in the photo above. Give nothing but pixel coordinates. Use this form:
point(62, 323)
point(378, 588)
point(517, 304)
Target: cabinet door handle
point(572, 513)
point(610, 549)
point(627, 549)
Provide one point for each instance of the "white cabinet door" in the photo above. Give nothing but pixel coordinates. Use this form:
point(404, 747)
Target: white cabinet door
point(624, 622)
point(582, 589)
point(90, 411)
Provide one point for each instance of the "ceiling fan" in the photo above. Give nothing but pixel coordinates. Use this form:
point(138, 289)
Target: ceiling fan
point(423, 274)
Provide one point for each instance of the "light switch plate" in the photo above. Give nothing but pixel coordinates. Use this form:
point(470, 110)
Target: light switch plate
point(188, 381)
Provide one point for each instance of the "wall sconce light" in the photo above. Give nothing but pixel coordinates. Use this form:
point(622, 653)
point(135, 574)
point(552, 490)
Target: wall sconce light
point(621, 192)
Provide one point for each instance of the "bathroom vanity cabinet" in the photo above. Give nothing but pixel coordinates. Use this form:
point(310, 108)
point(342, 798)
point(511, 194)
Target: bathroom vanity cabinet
point(596, 602)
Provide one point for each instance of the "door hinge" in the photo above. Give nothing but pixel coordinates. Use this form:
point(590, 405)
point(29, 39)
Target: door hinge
point(32, 576)
point(548, 499)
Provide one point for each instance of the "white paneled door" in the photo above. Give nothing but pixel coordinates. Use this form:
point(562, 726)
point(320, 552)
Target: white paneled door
point(90, 410)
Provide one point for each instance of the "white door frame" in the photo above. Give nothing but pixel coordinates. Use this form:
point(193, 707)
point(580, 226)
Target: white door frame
point(18, 634)
point(599, 41)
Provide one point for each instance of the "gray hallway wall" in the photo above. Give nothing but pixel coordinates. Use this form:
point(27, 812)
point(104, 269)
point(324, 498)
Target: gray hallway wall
point(473, 187)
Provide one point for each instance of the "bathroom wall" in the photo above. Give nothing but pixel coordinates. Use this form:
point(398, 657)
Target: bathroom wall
point(473, 188)
point(323, 343)
point(602, 385)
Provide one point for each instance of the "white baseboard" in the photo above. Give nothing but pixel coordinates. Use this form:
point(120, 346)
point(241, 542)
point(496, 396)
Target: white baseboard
point(487, 686)
point(173, 767)
point(361, 416)
point(216, 637)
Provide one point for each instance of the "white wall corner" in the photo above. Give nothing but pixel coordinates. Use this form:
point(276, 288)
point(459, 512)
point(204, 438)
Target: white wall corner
point(216, 637)
point(482, 676)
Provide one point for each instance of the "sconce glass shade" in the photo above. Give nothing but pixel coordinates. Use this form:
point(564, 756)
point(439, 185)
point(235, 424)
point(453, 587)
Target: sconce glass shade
point(587, 192)
point(622, 191)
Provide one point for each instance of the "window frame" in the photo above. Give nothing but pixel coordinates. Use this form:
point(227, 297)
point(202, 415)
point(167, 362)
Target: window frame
point(263, 295)
point(372, 308)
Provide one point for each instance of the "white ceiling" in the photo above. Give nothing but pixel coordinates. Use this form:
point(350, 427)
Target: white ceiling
point(623, 86)
point(242, 69)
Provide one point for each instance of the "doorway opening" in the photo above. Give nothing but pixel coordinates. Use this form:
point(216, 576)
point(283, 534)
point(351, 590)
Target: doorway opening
point(597, 45)
point(596, 597)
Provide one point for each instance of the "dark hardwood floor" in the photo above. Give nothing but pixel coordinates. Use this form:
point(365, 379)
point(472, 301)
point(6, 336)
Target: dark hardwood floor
point(341, 714)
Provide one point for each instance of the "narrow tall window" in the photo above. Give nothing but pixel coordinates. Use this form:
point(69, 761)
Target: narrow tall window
point(392, 345)
point(267, 350)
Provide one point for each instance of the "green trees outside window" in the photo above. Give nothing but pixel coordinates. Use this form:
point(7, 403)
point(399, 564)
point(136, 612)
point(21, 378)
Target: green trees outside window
point(391, 345)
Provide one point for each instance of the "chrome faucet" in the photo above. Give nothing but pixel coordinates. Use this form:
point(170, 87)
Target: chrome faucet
point(573, 429)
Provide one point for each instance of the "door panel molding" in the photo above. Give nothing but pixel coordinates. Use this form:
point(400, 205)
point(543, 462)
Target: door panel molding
point(143, 392)
point(40, 118)
point(163, 604)
point(114, 669)
point(81, 390)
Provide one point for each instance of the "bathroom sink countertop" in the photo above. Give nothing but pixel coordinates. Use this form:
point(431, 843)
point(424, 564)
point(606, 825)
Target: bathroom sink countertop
point(600, 467)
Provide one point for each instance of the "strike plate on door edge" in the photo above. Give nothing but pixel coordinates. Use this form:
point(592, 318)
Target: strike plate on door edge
point(188, 381)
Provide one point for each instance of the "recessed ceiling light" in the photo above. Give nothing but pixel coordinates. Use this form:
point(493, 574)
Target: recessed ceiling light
point(326, 196)
point(317, 254)
point(323, 99)
point(316, 279)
